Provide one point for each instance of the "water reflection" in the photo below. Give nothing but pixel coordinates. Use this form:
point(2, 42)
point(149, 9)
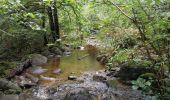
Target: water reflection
point(78, 62)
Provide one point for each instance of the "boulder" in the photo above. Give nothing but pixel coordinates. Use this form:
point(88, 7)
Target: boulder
point(56, 51)
point(99, 78)
point(131, 71)
point(38, 70)
point(26, 83)
point(57, 71)
point(9, 87)
point(112, 83)
point(9, 97)
point(79, 94)
point(32, 78)
point(37, 59)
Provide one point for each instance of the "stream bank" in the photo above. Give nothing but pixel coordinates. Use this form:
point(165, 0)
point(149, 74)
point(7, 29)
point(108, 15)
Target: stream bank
point(75, 76)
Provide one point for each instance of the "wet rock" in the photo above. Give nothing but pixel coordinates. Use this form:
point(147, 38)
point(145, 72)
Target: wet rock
point(8, 86)
point(56, 51)
point(46, 78)
point(99, 78)
point(79, 94)
point(102, 59)
point(9, 97)
point(45, 52)
point(26, 83)
point(57, 71)
point(32, 78)
point(113, 71)
point(132, 71)
point(72, 77)
point(72, 72)
point(37, 59)
point(88, 90)
point(112, 83)
point(67, 53)
point(38, 70)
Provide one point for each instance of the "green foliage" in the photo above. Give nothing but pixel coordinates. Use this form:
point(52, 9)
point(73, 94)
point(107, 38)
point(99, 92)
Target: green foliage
point(125, 25)
point(5, 67)
point(142, 84)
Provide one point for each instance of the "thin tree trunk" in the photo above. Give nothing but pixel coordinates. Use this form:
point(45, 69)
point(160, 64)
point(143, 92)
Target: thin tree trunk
point(56, 22)
point(53, 21)
point(43, 26)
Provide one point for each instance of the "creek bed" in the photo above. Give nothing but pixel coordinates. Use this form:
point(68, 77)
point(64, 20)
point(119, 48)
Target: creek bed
point(82, 64)
point(75, 64)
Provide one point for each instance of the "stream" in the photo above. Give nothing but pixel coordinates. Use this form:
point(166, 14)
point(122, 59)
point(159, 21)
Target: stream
point(91, 81)
point(60, 68)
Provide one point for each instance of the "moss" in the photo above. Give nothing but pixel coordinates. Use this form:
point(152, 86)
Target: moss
point(112, 83)
point(5, 67)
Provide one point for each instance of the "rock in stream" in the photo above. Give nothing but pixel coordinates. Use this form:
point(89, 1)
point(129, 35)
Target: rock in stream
point(89, 86)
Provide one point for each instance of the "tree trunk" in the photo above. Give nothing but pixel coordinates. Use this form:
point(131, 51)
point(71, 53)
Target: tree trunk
point(53, 21)
point(43, 26)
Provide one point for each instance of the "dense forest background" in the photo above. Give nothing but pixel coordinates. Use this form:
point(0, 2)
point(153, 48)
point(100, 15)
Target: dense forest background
point(136, 32)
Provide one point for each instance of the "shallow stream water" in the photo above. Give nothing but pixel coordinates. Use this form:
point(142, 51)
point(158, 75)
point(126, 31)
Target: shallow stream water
point(75, 64)
point(83, 65)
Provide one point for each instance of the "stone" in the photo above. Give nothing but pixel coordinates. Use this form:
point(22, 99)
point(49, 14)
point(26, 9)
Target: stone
point(37, 59)
point(32, 78)
point(79, 94)
point(57, 71)
point(46, 78)
point(67, 53)
point(72, 77)
point(112, 83)
point(6, 85)
point(56, 51)
point(26, 83)
point(38, 70)
point(9, 97)
point(132, 71)
point(99, 78)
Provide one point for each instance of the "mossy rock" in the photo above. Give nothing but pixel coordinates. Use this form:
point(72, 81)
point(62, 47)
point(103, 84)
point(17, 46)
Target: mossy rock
point(112, 83)
point(5, 67)
point(131, 71)
point(36, 59)
point(9, 87)
point(56, 50)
